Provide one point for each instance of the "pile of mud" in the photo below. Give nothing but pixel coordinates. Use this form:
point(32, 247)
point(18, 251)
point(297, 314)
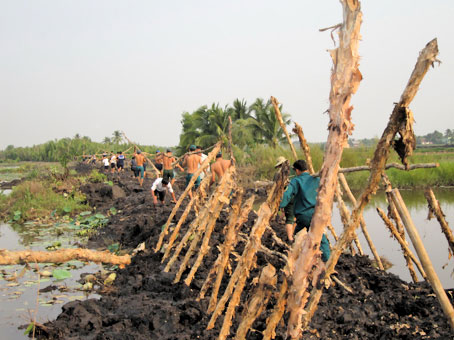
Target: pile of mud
point(145, 304)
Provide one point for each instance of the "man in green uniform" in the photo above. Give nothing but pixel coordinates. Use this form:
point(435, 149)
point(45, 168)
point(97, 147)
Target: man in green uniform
point(303, 190)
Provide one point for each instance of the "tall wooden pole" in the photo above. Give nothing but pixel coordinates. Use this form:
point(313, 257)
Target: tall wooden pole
point(277, 111)
point(352, 199)
point(304, 146)
point(345, 79)
point(432, 276)
point(401, 118)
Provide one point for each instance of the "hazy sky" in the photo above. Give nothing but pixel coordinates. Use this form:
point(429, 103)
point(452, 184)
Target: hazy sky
point(92, 67)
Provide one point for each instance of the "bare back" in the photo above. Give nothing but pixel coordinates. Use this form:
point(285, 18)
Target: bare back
point(140, 159)
point(192, 162)
point(167, 161)
point(219, 168)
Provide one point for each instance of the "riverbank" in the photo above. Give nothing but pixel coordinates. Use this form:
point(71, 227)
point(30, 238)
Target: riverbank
point(144, 304)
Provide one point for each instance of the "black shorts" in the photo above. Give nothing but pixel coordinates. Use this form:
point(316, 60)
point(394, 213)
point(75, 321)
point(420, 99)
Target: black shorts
point(106, 167)
point(160, 194)
point(120, 165)
point(112, 165)
point(159, 166)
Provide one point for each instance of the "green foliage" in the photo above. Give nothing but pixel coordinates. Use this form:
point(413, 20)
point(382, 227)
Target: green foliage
point(33, 199)
point(97, 177)
point(256, 124)
point(61, 274)
point(87, 223)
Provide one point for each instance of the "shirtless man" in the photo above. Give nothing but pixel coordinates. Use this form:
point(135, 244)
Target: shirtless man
point(140, 161)
point(192, 162)
point(219, 167)
point(167, 161)
point(159, 160)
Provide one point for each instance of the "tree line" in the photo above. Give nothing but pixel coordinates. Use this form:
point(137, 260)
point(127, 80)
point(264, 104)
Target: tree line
point(252, 125)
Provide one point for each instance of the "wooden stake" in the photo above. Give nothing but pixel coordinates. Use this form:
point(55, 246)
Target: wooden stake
point(204, 165)
point(278, 312)
point(362, 223)
point(345, 79)
point(345, 216)
point(424, 257)
point(231, 239)
point(435, 208)
point(277, 111)
point(401, 117)
point(305, 147)
point(403, 244)
point(211, 212)
point(204, 248)
point(199, 197)
point(238, 280)
point(258, 301)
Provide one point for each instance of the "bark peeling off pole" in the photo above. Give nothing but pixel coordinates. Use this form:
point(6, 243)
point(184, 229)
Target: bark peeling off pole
point(238, 279)
point(398, 118)
point(345, 79)
point(204, 248)
point(277, 112)
point(204, 165)
point(61, 255)
point(304, 146)
point(258, 301)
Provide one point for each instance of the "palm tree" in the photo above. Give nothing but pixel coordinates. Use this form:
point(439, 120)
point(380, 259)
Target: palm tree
point(265, 126)
point(240, 110)
point(106, 140)
point(117, 137)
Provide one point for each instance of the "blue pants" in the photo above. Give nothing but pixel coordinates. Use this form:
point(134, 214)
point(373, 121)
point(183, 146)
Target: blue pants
point(324, 243)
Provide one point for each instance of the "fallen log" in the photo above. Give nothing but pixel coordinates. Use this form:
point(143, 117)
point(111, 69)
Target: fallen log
point(60, 256)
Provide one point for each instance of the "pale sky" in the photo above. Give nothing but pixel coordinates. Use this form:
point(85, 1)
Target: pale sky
point(92, 67)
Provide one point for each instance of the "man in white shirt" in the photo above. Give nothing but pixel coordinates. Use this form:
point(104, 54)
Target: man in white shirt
point(159, 187)
point(203, 157)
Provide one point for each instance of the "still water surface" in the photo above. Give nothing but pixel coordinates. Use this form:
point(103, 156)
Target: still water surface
point(19, 300)
point(430, 231)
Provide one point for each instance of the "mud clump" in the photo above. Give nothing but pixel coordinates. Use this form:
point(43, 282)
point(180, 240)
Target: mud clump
point(145, 303)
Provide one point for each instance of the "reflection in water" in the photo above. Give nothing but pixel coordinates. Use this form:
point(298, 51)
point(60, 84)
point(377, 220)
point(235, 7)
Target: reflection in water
point(430, 232)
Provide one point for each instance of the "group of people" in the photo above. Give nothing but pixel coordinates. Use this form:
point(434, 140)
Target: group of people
point(112, 163)
point(297, 204)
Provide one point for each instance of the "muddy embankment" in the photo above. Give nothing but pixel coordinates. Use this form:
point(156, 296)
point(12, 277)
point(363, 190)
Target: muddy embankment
point(145, 304)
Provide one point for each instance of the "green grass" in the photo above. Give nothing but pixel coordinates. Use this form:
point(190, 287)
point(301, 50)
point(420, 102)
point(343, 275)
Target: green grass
point(259, 164)
point(36, 199)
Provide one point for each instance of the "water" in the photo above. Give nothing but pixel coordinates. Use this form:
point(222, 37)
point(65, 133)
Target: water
point(20, 300)
point(430, 232)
